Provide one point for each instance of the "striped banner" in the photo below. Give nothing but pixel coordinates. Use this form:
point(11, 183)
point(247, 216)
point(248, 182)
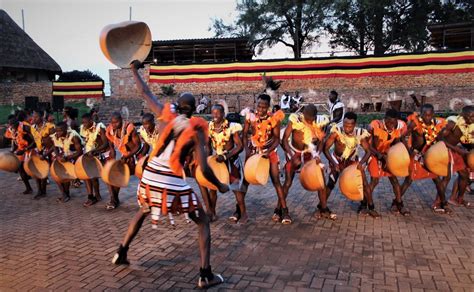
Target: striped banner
point(348, 67)
point(86, 89)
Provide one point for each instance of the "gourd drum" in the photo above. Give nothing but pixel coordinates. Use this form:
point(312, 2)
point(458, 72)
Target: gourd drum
point(437, 159)
point(125, 42)
point(116, 173)
point(36, 168)
point(257, 170)
point(470, 160)
point(351, 183)
point(140, 166)
point(311, 176)
point(398, 160)
point(87, 167)
point(62, 172)
point(220, 171)
point(9, 162)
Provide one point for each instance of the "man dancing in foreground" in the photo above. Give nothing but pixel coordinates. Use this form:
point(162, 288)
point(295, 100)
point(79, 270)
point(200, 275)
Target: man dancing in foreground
point(162, 187)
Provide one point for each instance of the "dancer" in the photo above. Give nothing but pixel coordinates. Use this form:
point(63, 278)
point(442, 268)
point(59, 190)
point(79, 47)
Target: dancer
point(67, 147)
point(226, 144)
point(148, 133)
point(123, 137)
point(459, 137)
point(346, 141)
point(41, 130)
point(265, 129)
point(162, 187)
point(302, 141)
point(95, 144)
point(22, 144)
point(386, 133)
point(423, 131)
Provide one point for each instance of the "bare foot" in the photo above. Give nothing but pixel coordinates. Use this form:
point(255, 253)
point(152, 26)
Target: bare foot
point(244, 219)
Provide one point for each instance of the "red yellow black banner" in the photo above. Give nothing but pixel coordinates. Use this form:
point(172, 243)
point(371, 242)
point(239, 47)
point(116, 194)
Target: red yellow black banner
point(348, 67)
point(85, 89)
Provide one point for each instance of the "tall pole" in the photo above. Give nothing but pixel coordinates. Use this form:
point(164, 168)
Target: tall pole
point(130, 17)
point(23, 19)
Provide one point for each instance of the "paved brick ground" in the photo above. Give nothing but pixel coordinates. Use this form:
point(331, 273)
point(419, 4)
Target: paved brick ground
point(50, 246)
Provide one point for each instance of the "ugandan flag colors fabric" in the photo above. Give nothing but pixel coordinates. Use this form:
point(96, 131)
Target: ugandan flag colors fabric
point(85, 89)
point(348, 67)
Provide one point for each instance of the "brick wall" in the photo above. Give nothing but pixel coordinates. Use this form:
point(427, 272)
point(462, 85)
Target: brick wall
point(16, 91)
point(443, 90)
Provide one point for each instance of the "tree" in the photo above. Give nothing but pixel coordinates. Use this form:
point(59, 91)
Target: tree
point(381, 25)
point(453, 11)
point(168, 90)
point(296, 24)
point(77, 75)
point(392, 25)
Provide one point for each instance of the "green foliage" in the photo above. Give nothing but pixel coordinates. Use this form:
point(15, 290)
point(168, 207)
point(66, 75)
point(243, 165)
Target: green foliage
point(386, 26)
point(296, 24)
point(168, 90)
point(77, 75)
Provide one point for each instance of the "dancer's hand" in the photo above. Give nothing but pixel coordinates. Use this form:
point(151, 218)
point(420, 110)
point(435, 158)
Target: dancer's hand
point(223, 188)
point(220, 158)
point(136, 64)
point(317, 159)
point(360, 166)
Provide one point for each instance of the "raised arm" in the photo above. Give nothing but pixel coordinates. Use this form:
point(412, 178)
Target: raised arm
point(155, 105)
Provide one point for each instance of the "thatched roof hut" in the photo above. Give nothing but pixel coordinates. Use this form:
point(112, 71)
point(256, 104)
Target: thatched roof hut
point(19, 53)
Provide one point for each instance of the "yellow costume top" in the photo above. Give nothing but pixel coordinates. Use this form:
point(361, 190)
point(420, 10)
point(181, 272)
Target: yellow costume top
point(41, 132)
point(90, 135)
point(149, 138)
point(466, 130)
point(65, 143)
point(350, 141)
point(310, 132)
point(219, 139)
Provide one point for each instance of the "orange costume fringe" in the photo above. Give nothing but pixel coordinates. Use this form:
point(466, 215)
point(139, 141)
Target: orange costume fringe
point(430, 133)
point(385, 140)
point(162, 187)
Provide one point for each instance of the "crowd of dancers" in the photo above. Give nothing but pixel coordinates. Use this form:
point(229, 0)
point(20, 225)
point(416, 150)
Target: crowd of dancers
point(176, 144)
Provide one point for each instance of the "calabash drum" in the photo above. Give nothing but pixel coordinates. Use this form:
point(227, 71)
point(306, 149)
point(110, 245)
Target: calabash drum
point(220, 171)
point(87, 167)
point(257, 170)
point(437, 159)
point(9, 162)
point(140, 166)
point(398, 160)
point(36, 168)
point(351, 183)
point(311, 176)
point(125, 42)
point(116, 173)
point(62, 172)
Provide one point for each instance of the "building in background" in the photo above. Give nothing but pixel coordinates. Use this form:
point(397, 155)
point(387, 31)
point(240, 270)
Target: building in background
point(26, 70)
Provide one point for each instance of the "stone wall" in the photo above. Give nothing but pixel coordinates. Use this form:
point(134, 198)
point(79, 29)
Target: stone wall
point(445, 91)
point(16, 91)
